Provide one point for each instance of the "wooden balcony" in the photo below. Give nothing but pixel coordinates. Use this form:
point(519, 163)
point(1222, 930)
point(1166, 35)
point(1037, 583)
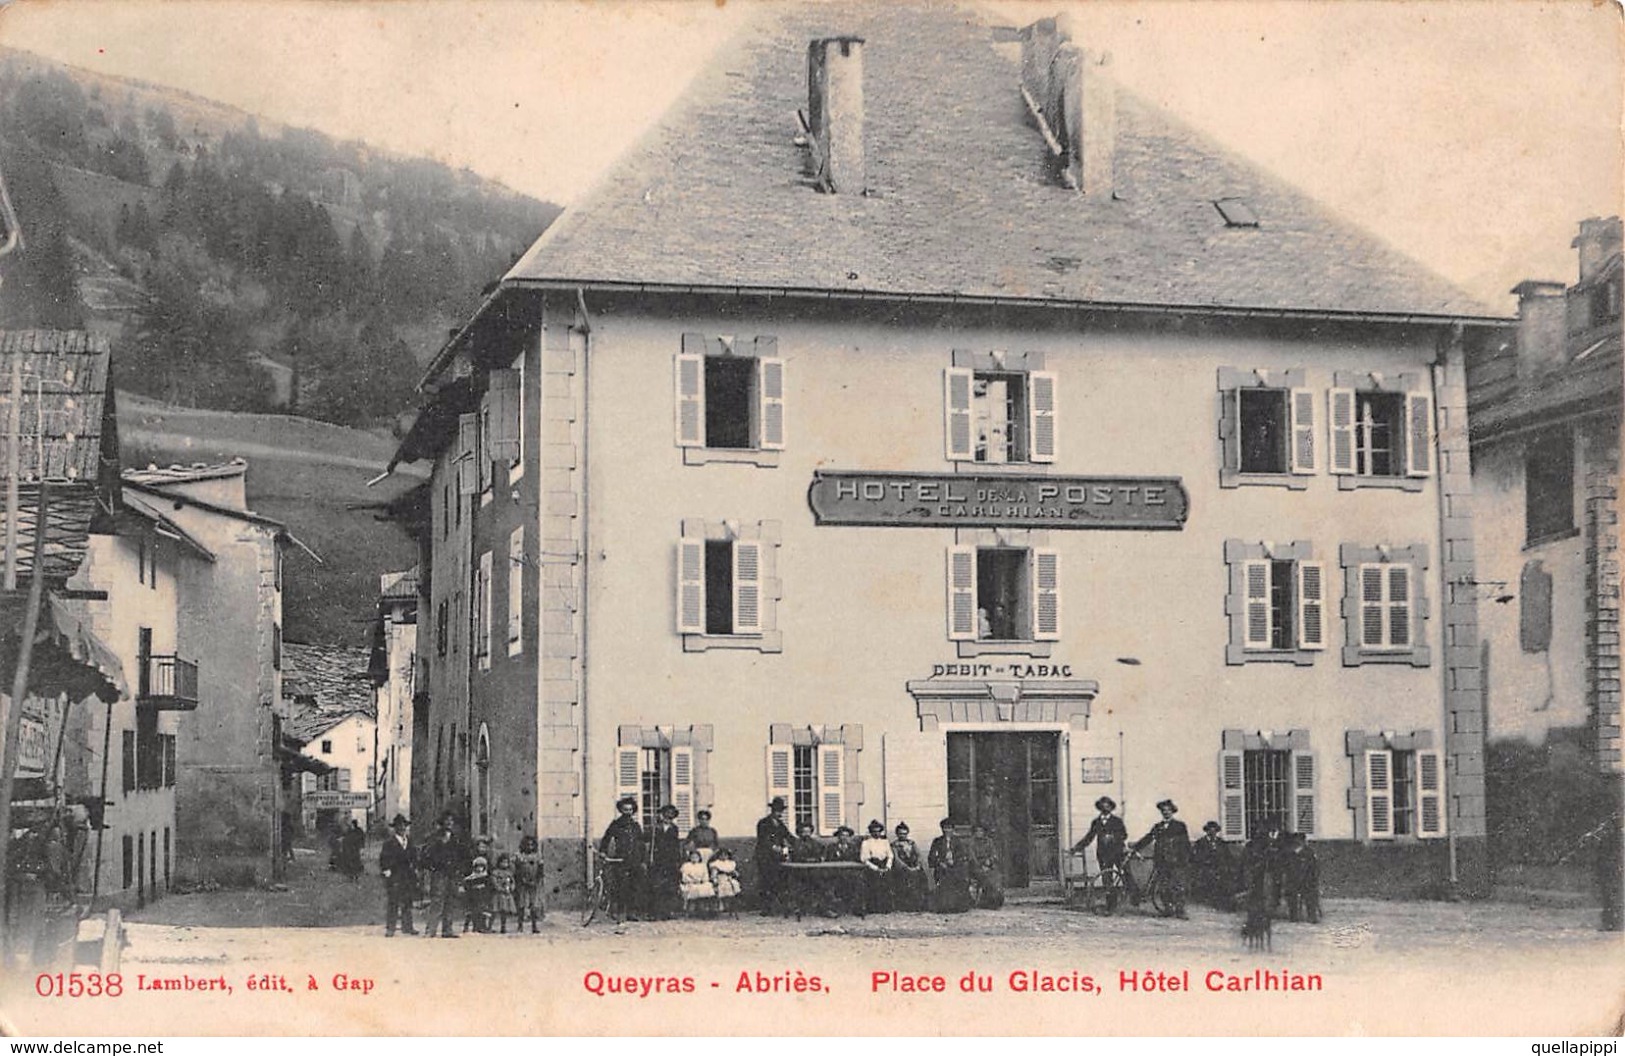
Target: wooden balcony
point(168, 683)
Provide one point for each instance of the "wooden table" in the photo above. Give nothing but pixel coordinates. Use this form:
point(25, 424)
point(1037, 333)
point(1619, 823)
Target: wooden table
point(809, 877)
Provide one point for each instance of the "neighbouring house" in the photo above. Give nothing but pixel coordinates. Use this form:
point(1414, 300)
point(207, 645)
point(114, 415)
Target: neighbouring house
point(1544, 408)
point(394, 669)
point(128, 592)
point(916, 425)
point(56, 402)
point(228, 789)
point(330, 717)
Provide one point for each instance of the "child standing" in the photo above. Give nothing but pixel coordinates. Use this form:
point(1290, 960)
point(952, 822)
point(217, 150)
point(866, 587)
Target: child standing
point(502, 885)
point(477, 897)
point(527, 884)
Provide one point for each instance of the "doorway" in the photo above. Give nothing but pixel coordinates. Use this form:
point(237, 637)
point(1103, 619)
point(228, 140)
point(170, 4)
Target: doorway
point(1008, 783)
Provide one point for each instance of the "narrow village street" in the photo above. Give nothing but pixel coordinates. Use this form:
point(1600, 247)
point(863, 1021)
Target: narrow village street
point(1496, 967)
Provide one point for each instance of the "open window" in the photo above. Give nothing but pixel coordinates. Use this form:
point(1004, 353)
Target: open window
point(999, 416)
point(813, 768)
point(1277, 602)
point(1381, 429)
point(730, 394)
point(726, 593)
point(1267, 425)
point(1004, 594)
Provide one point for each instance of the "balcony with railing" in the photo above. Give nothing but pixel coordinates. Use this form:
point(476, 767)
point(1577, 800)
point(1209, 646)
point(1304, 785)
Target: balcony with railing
point(168, 683)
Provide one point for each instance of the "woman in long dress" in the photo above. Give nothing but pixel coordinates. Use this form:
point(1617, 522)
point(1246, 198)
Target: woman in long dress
point(950, 861)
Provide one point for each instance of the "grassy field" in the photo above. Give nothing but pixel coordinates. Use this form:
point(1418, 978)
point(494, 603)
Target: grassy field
point(304, 474)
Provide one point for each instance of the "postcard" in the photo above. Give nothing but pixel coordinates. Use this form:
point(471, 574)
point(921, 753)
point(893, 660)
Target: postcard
point(810, 518)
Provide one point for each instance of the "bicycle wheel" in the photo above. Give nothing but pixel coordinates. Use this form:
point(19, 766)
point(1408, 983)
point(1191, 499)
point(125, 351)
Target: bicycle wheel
point(1085, 893)
point(1160, 896)
point(595, 898)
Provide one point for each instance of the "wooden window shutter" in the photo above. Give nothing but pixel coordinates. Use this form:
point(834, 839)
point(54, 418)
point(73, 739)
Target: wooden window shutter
point(1311, 605)
point(691, 586)
point(1371, 606)
point(1041, 401)
point(468, 434)
point(516, 590)
point(956, 410)
point(682, 786)
point(1301, 408)
point(962, 622)
point(1418, 434)
point(1379, 794)
point(1232, 795)
point(1256, 587)
point(629, 773)
point(770, 394)
point(1340, 425)
point(780, 776)
point(128, 740)
point(504, 390)
point(831, 788)
point(1046, 595)
point(690, 392)
point(1430, 793)
point(747, 579)
point(1399, 606)
point(1303, 793)
point(1230, 428)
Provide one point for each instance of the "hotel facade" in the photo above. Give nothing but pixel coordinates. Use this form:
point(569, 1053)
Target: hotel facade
point(918, 426)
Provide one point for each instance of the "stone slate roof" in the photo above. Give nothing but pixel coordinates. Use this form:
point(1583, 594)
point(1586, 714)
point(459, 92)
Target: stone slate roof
point(178, 474)
point(334, 675)
point(719, 196)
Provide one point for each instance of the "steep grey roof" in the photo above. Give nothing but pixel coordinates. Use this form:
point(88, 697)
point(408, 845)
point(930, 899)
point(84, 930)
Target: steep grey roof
point(334, 675)
point(718, 195)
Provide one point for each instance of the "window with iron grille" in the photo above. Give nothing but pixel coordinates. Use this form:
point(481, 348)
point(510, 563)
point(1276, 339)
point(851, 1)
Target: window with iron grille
point(1267, 777)
point(1267, 789)
point(654, 783)
point(804, 777)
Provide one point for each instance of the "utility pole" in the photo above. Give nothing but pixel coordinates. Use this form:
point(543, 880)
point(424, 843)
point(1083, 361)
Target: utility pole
point(19, 691)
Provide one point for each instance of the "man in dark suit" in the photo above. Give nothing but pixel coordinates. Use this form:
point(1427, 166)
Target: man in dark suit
point(773, 843)
point(446, 858)
point(622, 849)
point(400, 877)
point(1213, 881)
point(1171, 851)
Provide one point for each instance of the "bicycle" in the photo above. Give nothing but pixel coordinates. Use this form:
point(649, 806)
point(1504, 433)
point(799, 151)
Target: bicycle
point(599, 897)
point(1156, 888)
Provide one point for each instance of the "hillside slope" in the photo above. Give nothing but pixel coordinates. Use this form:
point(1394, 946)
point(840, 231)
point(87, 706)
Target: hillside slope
point(305, 474)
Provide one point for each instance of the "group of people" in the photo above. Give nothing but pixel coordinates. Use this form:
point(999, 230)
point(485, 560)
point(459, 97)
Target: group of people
point(884, 874)
point(656, 873)
point(1274, 866)
point(449, 875)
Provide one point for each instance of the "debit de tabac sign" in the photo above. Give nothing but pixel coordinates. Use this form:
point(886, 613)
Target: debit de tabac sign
point(961, 500)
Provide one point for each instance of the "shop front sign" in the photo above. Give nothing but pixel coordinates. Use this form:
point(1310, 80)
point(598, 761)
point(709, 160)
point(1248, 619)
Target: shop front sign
point(957, 500)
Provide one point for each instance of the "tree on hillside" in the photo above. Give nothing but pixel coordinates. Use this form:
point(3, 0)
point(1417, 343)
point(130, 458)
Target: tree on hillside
point(161, 123)
point(41, 286)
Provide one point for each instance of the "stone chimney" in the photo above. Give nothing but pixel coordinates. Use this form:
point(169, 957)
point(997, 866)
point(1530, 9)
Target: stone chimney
point(1598, 240)
point(835, 112)
point(1542, 327)
point(1074, 103)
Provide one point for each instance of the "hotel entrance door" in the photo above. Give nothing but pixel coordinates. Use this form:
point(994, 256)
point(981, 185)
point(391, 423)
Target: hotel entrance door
point(1008, 783)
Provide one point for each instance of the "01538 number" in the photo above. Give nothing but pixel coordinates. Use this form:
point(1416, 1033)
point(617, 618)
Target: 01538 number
point(79, 984)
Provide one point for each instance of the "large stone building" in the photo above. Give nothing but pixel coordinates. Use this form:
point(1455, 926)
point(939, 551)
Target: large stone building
point(982, 442)
point(1545, 411)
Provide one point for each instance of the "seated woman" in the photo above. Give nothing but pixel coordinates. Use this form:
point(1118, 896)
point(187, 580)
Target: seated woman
point(986, 871)
point(908, 877)
point(950, 861)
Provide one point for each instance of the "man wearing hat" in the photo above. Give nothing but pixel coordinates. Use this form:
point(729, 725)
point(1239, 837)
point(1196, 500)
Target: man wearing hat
point(1110, 837)
point(622, 852)
point(1212, 866)
point(1171, 851)
point(400, 877)
point(773, 843)
point(446, 858)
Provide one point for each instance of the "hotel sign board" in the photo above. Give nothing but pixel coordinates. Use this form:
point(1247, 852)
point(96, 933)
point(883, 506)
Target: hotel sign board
point(964, 500)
